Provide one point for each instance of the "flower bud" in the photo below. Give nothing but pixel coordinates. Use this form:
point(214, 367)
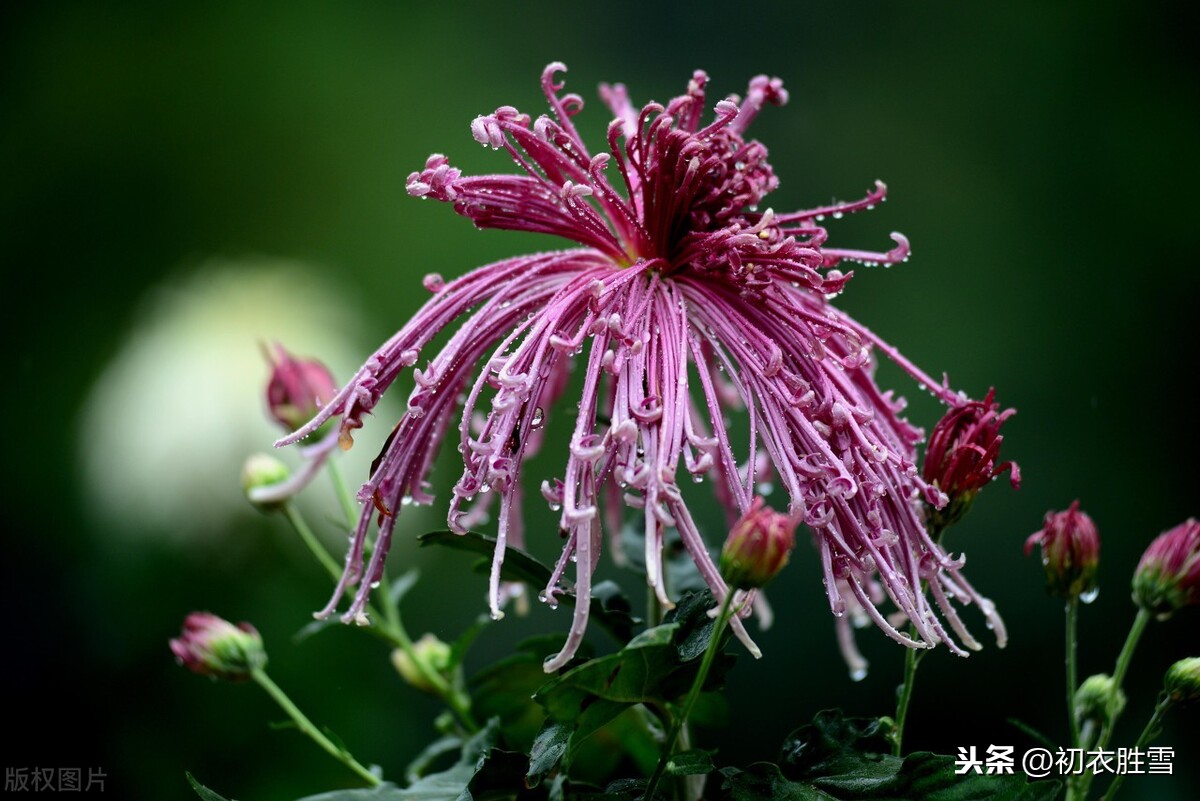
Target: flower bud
point(1098, 700)
point(1168, 576)
point(1070, 553)
point(297, 389)
point(431, 652)
point(261, 470)
point(215, 647)
point(758, 547)
point(962, 453)
point(1182, 682)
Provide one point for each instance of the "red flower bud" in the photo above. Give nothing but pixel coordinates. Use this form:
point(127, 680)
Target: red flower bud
point(1168, 576)
point(297, 389)
point(1070, 553)
point(212, 646)
point(758, 546)
point(962, 453)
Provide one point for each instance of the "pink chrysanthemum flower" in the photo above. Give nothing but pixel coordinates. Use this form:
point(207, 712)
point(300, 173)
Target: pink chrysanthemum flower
point(683, 303)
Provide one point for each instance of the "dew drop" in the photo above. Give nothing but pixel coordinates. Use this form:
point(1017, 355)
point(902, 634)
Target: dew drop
point(1090, 595)
point(858, 674)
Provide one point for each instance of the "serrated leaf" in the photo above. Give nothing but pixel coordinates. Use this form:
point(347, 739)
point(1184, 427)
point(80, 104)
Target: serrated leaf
point(202, 791)
point(609, 607)
point(548, 749)
point(505, 689)
point(648, 670)
point(836, 758)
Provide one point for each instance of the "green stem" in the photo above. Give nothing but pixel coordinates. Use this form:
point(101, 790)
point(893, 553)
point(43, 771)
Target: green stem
point(911, 660)
point(1152, 730)
point(1135, 634)
point(343, 492)
point(305, 725)
point(710, 653)
point(1072, 612)
point(306, 534)
point(1123, 660)
point(389, 626)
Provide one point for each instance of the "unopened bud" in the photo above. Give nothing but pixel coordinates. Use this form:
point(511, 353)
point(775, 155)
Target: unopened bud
point(261, 470)
point(1182, 682)
point(1098, 700)
point(1070, 553)
point(431, 652)
point(297, 389)
point(215, 647)
point(758, 546)
point(962, 457)
point(1168, 576)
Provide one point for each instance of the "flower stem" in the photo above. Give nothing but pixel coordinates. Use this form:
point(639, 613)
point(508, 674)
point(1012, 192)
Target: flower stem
point(389, 626)
point(714, 645)
point(306, 726)
point(1123, 660)
point(342, 491)
point(1135, 634)
point(1072, 613)
point(911, 659)
point(306, 534)
point(1152, 730)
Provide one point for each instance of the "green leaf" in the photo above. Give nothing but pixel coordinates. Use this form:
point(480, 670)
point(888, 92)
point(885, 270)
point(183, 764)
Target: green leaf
point(202, 791)
point(459, 648)
point(505, 689)
point(402, 585)
point(548, 749)
point(609, 608)
point(421, 763)
point(483, 772)
point(656, 667)
point(315, 627)
point(843, 759)
point(690, 763)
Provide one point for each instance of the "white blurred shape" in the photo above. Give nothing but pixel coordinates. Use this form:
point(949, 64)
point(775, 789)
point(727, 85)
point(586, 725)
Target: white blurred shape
point(171, 419)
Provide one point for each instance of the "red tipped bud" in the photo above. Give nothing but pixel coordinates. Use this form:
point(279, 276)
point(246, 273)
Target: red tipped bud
point(758, 546)
point(962, 455)
point(297, 389)
point(1168, 576)
point(212, 646)
point(1070, 553)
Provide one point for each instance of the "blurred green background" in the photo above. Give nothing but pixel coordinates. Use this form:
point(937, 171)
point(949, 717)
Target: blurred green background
point(183, 182)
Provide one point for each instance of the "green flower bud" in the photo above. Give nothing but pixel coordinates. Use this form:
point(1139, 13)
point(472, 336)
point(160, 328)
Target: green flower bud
point(260, 471)
point(1098, 700)
point(1182, 681)
point(429, 651)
